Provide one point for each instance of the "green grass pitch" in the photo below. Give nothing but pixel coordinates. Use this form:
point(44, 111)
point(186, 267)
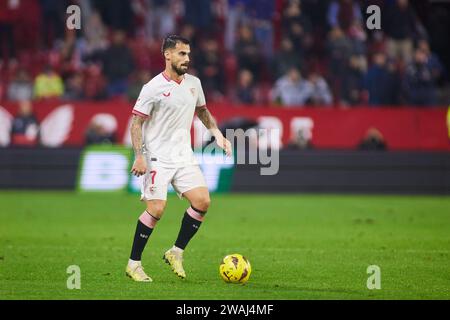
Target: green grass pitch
point(300, 246)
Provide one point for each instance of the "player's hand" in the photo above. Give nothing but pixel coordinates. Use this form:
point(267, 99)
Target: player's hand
point(224, 143)
point(139, 166)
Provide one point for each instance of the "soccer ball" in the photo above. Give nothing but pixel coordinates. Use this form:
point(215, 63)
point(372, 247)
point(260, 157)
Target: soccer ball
point(235, 268)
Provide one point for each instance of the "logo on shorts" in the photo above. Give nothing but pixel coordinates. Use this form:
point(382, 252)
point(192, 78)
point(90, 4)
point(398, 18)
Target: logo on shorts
point(152, 189)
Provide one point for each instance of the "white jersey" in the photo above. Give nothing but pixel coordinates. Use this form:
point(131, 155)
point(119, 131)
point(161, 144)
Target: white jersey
point(169, 107)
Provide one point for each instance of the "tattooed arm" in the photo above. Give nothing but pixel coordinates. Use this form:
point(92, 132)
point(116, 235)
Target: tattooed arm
point(140, 165)
point(206, 117)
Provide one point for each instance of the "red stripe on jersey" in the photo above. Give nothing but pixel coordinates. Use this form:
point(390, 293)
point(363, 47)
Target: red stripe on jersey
point(203, 106)
point(168, 79)
point(140, 114)
point(165, 77)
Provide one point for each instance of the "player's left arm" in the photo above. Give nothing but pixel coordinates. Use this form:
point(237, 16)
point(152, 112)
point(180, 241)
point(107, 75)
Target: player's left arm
point(206, 117)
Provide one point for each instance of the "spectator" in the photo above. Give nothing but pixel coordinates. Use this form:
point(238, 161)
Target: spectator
point(291, 90)
point(373, 141)
point(210, 68)
point(286, 58)
point(97, 135)
point(25, 127)
point(261, 14)
point(316, 11)
point(248, 30)
point(117, 73)
point(95, 83)
point(352, 80)
point(28, 23)
point(160, 19)
point(301, 140)
point(236, 15)
point(339, 48)
point(70, 58)
point(297, 26)
point(101, 130)
point(21, 88)
point(321, 94)
point(343, 13)
point(189, 32)
point(433, 61)
point(400, 27)
point(358, 38)
point(339, 45)
point(419, 84)
point(53, 19)
point(74, 87)
point(48, 84)
point(245, 90)
point(381, 82)
point(117, 15)
point(141, 78)
point(248, 52)
point(8, 15)
point(199, 14)
point(377, 42)
point(95, 37)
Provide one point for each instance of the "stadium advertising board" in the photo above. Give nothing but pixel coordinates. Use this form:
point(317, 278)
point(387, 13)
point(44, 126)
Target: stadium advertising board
point(107, 168)
point(330, 128)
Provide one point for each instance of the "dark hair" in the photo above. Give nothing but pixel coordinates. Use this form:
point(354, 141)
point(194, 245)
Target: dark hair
point(171, 41)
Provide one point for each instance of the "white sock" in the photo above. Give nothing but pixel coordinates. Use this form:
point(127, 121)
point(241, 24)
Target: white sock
point(177, 250)
point(133, 262)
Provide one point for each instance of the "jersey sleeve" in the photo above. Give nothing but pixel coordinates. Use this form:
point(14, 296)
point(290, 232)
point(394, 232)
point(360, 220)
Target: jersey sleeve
point(201, 101)
point(145, 102)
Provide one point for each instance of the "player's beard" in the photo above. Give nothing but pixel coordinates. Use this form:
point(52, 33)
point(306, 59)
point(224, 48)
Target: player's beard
point(179, 71)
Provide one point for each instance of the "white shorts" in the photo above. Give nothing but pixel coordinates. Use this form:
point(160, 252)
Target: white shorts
point(155, 182)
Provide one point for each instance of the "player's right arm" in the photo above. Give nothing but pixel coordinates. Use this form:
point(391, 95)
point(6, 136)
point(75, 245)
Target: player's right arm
point(141, 112)
point(140, 164)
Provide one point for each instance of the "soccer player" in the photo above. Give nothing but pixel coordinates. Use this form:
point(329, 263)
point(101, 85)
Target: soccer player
point(160, 134)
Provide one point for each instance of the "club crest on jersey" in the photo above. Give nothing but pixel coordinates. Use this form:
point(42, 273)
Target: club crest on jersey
point(193, 92)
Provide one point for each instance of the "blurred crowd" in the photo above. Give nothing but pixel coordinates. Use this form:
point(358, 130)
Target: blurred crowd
point(289, 53)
